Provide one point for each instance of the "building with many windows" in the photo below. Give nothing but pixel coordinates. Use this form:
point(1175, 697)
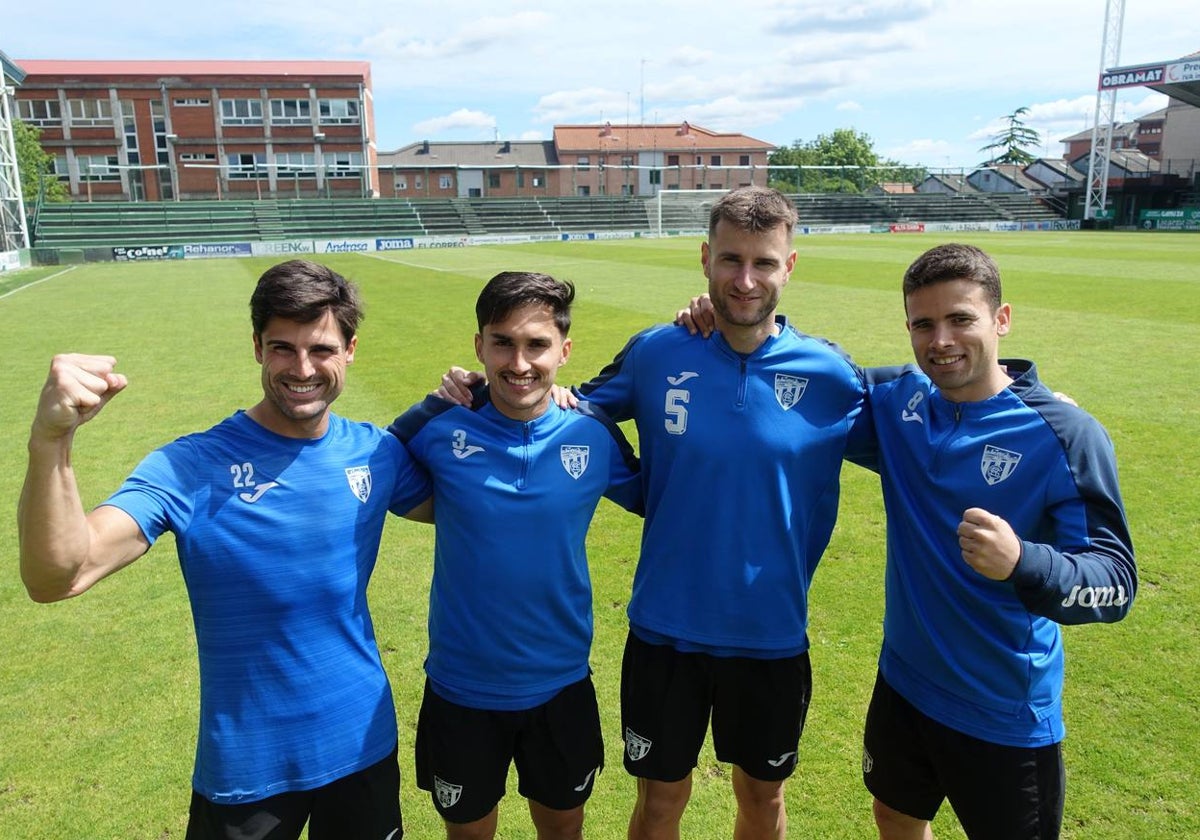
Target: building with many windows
point(164, 130)
point(582, 160)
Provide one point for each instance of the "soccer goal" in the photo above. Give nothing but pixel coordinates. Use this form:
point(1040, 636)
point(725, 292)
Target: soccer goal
point(683, 212)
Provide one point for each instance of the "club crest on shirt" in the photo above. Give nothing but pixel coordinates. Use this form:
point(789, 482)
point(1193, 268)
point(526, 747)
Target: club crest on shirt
point(998, 464)
point(360, 482)
point(636, 747)
point(447, 794)
point(574, 459)
point(789, 389)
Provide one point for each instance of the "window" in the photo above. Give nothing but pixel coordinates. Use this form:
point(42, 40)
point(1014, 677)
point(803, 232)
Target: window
point(627, 160)
point(246, 165)
point(715, 160)
point(672, 160)
point(130, 129)
point(162, 151)
point(699, 160)
point(583, 190)
point(198, 157)
point(345, 165)
point(39, 111)
point(295, 165)
point(338, 111)
point(401, 182)
point(655, 176)
point(444, 182)
point(417, 182)
point(98, 167)
point(584, 162)
point(191, 103)
point(90, 111)
point(60, 168)
point(743, 160)
point(539, 181)
point(520, 179)
point(494, 180)
point(291, 112)
point(241, 112)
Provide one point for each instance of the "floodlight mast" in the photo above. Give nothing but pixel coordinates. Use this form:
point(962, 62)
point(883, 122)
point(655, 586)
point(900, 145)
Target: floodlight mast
point(14, 231)
point(1106, 106)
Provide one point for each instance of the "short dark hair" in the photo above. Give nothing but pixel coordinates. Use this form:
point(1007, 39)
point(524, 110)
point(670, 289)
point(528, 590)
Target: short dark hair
point(754, 209)
point(955, 261)
point(303, 291)
point(510, 290)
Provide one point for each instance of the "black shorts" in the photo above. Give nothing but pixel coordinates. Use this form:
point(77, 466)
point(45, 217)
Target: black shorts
point(757, 706)
point(911, 763)
point(362, 806)
point(463, 754)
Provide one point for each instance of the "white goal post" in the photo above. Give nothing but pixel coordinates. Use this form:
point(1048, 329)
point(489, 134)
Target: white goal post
point(683, 212)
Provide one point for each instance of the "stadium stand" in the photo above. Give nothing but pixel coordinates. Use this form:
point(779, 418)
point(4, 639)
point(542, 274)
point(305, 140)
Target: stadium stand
point(98, 224)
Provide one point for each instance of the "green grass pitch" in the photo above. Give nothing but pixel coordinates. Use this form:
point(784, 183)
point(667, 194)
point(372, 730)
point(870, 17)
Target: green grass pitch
point(98, 695)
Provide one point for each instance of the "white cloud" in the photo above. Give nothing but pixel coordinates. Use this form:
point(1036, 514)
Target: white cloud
point(689, 56)
point(586, 105)
point(460, 120)
point(805, 16)
point(848, 105)
point(929, 151)
point(476, 35)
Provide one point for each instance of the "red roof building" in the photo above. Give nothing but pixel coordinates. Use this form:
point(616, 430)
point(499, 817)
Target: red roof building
point(643, 159)
point(166, 130)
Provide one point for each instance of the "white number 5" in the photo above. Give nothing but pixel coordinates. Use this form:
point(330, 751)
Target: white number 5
point(676, 409)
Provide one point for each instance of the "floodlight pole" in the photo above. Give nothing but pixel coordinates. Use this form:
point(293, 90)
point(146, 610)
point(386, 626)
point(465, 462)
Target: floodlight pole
point(1106, 106)
point(14, 231)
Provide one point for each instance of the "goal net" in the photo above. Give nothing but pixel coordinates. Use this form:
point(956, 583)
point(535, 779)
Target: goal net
point(683, 212)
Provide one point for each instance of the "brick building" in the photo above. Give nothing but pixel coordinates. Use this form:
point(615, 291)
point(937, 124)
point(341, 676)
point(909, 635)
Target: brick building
point(581, 160)
point(163, 130)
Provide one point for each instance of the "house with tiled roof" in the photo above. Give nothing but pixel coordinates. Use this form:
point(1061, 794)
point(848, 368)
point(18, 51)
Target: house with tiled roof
point(581, 160)
point(1003, 178)
point(429, 169)
point(947, 184)
point(1055, 173)
point(643, 159)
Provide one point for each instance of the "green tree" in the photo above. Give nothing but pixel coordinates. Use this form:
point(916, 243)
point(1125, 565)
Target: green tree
point(1010, 144)
point(849, 157)
point(36, 165)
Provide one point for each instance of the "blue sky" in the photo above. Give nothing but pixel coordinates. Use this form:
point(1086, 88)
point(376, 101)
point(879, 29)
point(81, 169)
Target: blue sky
point(928, 80)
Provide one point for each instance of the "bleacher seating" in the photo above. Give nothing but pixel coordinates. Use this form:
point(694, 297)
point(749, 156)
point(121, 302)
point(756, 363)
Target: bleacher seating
point(596, 213)
point(100, 224)
point(1023, 207)
point(80, 225)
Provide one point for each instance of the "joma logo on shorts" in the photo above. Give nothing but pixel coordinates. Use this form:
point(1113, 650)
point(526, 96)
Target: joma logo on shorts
point(1097, 596)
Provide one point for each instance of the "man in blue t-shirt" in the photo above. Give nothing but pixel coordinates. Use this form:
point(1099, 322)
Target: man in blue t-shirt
point(516, 482)
point(1004, 520)
point(741, 440)
point(297, 722)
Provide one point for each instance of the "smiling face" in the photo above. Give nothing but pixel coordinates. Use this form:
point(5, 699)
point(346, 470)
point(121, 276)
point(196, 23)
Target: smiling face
point(521, 355)
point(955, 333)
point(303, 372)
point(746, 273)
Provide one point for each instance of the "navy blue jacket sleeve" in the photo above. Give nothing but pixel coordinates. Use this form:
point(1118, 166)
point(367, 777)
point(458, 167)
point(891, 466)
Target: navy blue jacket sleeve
point(1094, 579)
